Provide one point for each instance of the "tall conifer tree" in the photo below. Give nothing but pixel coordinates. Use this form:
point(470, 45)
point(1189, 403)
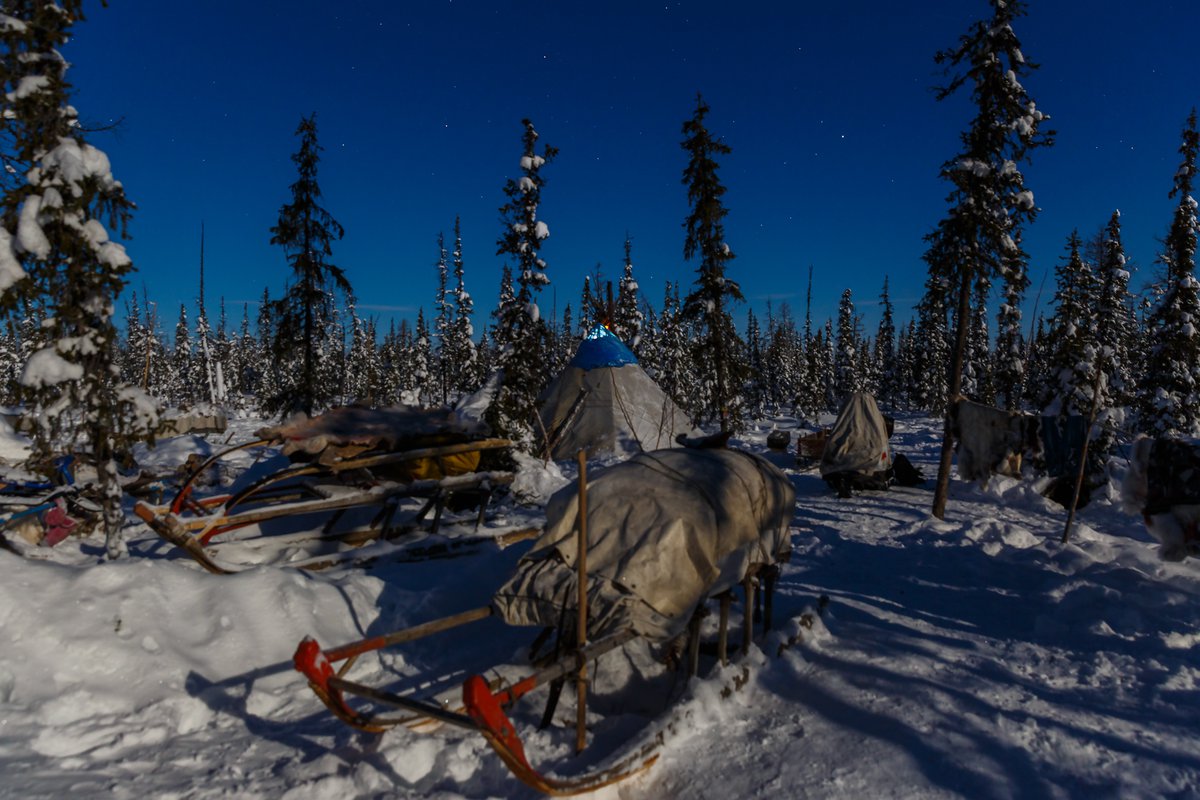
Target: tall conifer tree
point(525, 332)
point(305, 313)
point(1169, 395)
point(707, 307)
point(988, 202)
point(60, 202)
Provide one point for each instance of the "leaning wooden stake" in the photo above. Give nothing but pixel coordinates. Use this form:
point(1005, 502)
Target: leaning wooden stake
point(581, 628)
point(1083, 451)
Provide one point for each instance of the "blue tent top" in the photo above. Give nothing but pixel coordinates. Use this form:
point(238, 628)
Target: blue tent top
point(602, 348)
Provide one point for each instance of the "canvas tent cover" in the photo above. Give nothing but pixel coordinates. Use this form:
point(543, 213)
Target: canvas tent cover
point(605, 402)
point(858, 441)
point(666, 530)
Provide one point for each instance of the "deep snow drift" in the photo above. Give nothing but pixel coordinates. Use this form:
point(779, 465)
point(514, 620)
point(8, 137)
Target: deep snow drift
point(975, 657)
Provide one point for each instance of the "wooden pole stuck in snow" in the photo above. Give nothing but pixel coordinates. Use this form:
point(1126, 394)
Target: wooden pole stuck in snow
point(1083, 451)
point(581, 627)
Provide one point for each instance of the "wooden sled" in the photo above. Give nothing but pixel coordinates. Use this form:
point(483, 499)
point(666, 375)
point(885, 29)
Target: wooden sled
point(324, 489)
point(483, 703)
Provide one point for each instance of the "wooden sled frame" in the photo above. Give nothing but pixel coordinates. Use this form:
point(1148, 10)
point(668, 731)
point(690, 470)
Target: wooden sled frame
point(191, 524)
point(484, 704)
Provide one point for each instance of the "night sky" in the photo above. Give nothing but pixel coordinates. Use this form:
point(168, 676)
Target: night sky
point(829, 109)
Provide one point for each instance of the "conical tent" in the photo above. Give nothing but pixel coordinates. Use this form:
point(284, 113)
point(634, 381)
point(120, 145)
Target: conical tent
point(604, 402)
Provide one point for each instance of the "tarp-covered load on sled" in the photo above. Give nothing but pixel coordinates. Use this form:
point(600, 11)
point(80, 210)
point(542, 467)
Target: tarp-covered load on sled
point(655, 538)
point(1163, 486)
point(347, 458)
point(856, 453)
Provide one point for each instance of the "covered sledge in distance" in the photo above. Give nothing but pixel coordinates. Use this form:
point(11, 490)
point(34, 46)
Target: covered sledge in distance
point(604, 402)
point(345, 459)
point(666, 530)
point(857, 454)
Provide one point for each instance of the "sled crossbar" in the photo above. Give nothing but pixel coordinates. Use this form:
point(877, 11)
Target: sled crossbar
point(423, 707)
point(407, 634)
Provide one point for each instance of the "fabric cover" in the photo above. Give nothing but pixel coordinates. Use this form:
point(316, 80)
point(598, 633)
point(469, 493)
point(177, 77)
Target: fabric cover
point(858, 441)
point(666, 529)
point(604, 402)
point(602, 348)
point(1062, 441)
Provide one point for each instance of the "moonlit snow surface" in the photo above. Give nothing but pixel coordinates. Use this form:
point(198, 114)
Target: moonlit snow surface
point(975, 657)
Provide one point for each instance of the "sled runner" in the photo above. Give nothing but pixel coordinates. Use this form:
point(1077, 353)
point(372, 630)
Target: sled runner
point(636, 554)
point(344, 460)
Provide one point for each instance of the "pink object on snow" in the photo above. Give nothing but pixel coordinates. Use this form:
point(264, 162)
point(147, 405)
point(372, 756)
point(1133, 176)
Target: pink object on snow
point(58, 524)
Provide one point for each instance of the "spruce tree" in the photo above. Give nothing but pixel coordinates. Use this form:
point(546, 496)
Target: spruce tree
point(1169, 395)
point(442, 322)
point(977, 360)
point(988, 203)
point(1008, 360)
point(931, 350)
point(1071, 359)
point(848, 377)
point(885, 351)
point(707, 306)
point(627, 319)
point(1116, 327)
point(130, 356)
point(524, 331)
point(304, 315)
point(464, 362)
point(825, 370)
point(588, 307)
point(1037, 366)
point(782, 360)
point(267, 368)
point(756, 387)
point(906, 370)
point(60, 202)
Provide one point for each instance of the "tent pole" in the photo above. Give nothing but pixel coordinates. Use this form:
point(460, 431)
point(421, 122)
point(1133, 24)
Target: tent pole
point(581, 627)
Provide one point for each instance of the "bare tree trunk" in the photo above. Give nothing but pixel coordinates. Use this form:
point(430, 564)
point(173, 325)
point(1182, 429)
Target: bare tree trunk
point(942, 488)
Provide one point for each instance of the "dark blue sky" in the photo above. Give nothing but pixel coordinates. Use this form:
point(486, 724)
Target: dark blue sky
point(836, 136)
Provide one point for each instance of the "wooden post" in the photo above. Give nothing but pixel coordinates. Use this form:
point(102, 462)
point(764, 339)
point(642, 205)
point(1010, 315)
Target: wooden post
point(723, 632)
point(581, 627)
point(748, 617)
point(1083, 451)
point(693, 642)
point(772, 576)
point(941, 489)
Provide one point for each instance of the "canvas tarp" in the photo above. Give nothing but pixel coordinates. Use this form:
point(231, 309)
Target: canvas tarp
point(604, 402)
point(666, 530)
point(858, 441)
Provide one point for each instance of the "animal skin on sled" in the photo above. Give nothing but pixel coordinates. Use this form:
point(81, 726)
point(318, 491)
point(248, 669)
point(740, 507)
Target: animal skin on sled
point(350, 430)
point(666, 529)
point(990, 440)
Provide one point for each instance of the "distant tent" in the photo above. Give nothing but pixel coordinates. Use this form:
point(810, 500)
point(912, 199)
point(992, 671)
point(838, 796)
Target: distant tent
point(604, 402)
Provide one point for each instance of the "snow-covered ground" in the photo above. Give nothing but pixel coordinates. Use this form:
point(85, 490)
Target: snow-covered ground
point(973, 657)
